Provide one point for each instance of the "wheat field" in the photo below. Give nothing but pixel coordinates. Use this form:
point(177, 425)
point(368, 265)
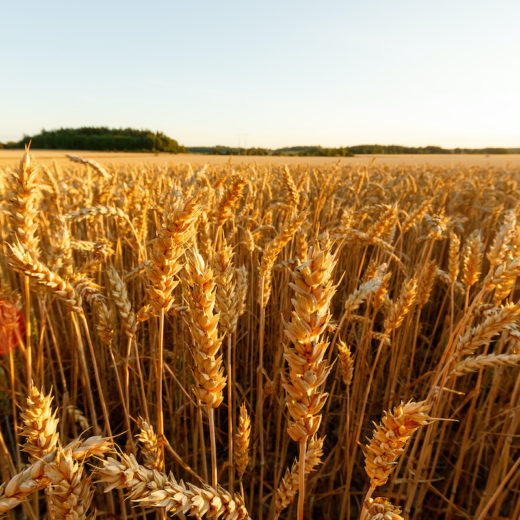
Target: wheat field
point(259, 339)
point(9, 158)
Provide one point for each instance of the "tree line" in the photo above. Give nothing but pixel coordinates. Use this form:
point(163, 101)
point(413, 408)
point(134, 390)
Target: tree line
point(345, 151)
point(132, 140)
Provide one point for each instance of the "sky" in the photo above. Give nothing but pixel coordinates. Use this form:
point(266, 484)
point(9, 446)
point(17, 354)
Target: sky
point(266, 73)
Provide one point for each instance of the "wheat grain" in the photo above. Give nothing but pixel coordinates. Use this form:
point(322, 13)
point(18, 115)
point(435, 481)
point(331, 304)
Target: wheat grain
point(390, 437)
point(382, 509)
point(40, 425)
point(242, 438)
point(151, 488)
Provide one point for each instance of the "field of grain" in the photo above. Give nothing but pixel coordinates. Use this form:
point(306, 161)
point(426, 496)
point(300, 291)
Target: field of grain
point(8, 158)
point(244, 339)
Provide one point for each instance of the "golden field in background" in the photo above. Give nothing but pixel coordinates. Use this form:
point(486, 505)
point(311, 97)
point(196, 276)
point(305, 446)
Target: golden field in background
point(233, 338)
point(10, 157)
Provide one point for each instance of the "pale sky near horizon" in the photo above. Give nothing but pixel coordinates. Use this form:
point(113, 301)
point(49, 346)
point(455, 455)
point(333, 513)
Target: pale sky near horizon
point(269, 73)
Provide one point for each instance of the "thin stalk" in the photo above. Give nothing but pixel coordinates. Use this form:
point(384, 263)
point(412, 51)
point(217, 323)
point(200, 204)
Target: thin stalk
point(160, 416)
point(301, 485)
point(96, 374)
point(499, 490)
point(123, 400)
point(28, 355)
point(214, 470)
point(127, 374)
point(202, 445)
point(99, 387)
point(260, 400)
point(230, 416)
point(368, 496)
point(12, 382)
point(345, 503)
point(85, 378)
point(141, 381)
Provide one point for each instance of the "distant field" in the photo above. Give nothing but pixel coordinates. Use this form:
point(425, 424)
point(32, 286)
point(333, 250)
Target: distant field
point(8, 157)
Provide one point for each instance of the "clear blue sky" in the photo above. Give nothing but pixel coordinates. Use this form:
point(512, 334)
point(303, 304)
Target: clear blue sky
point(266, 73)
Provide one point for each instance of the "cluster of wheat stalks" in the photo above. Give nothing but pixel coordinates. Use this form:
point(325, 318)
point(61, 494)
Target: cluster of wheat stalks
point(228, 342)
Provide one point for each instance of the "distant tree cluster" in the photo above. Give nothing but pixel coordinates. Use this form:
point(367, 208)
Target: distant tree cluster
point(228, 150)
point(314, 151)
point(101, 138)
point(376, 149)
point(345, 151)
point(299, 151)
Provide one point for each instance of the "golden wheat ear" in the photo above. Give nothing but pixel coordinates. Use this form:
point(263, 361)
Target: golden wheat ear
point(390, 438)
point(70, 490)
point(23, 207)
point(242, 438)
point(152, 488)
point(149, 443)
point(22, 485)
point(382, 509)
point(207, 361)
point(39, 425)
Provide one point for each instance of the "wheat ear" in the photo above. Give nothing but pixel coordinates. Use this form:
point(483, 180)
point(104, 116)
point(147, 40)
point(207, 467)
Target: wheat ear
point(70, 492)
point(149, 442)
point(226, 300)
point(308, 370)
point(39, 425)
point(34, 478)
point(242, 439)
point(388, 443)
point(207, 360)
point(168, 247)
point(346, 362)
point(402, 306)
point(151, 488)
point(25, 262)
point(476, 363)
point(272, 251)
point(390, 437)
point(23, 210)
point(229, 199)
point(472, 259)
point(382, 509)
point(290, 186)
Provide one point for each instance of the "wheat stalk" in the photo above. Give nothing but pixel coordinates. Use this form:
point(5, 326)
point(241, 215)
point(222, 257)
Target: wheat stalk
point(288, 486)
